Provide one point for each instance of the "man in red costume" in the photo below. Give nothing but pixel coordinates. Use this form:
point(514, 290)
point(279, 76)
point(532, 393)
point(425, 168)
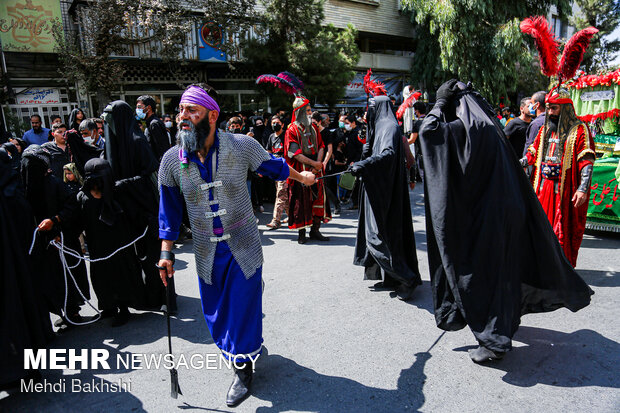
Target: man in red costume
point(563, 156)
point(304, 151)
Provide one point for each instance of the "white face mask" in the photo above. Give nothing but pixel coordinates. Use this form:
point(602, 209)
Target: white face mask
point(347, 126)
point(89, 140)
point(168, 124)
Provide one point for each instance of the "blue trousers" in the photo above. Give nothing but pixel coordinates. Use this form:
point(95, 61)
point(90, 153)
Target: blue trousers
point(232, 306)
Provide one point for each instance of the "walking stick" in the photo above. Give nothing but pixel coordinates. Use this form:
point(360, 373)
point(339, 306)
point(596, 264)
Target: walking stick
point(175, 389)
point(329, 176)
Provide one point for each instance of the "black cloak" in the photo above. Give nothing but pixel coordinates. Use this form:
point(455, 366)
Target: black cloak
point(492, 254)
point(385, 231)
point(117, 281)
point(49, 197)
point(24, 319)
point(80, 150)
point(134, 169)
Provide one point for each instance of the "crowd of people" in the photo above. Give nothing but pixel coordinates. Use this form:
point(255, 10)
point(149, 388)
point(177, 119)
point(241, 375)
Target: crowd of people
point(121, 189)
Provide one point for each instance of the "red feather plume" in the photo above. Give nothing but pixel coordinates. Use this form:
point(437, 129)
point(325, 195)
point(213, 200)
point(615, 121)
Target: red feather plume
point(546, 44)
point(406, 105)
point(573, 52)
point(373, 88)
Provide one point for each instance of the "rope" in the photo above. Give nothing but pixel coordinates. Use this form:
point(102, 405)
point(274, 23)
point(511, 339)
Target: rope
point(62, 252)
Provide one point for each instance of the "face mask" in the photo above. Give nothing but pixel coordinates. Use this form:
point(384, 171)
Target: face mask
point(532, 110)
point(89, 140)
point(276, 127)
point(140, 114)
point(168, 124)
point(348, 127)
point(341, 125)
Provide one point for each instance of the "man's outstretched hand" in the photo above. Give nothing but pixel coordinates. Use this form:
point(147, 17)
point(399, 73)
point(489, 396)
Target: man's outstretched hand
point(308, 178)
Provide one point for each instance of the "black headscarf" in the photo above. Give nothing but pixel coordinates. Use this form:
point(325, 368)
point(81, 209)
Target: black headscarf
point(34, 166)
point(80, 150)
point(126, 147)
point(74, 123)
point(9, 175)
point(99, 173)
point(132, 161)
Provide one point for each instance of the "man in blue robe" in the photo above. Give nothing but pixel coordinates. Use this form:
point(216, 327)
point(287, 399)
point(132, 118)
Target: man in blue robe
point(207, 170)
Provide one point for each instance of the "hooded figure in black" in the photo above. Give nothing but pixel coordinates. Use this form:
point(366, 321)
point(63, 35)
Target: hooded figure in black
point(492, 254)
point(54, 211)
point(134, 170)
point(24, 317)
point(117, 281)
point(81, 152)
point(385, 239)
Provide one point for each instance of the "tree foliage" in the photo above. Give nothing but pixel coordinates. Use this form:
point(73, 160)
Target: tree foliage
point(109, 27)
point(474, 40)
point(605, 16)
point(291, 38)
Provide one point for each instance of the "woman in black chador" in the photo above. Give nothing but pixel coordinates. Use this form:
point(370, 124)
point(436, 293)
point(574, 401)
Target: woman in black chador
point(24, 317)
point(385, 241)
point(492, 254)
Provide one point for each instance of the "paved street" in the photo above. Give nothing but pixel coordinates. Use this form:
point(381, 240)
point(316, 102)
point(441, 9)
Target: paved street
point(333, 345)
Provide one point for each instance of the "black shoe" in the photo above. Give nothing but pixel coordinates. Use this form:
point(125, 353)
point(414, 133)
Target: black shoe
point(315, 234)
point(110, 312)
point(240, 387)
point(301, 238)
point(483, 354)
point(405, 292)
point(337, 210)
point(121, 318)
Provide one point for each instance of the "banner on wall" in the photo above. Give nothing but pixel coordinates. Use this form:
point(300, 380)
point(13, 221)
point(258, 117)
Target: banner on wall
point(38, 97)
point(354, 92)
point(26, 25)
point(210, 38)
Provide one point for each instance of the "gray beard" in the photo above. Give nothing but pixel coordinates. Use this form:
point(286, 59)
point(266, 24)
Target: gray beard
point(188, 139)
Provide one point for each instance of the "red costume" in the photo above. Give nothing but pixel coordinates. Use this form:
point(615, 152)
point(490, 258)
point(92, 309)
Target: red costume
point(563, 152)
point(308, 206)
point(558, 158)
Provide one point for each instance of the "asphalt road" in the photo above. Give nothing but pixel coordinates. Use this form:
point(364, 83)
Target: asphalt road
point(334, 345)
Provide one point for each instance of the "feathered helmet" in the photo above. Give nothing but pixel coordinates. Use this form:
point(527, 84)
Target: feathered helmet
point(286, 81)
point(548, 51)
point(373, 88)
point(413, 98)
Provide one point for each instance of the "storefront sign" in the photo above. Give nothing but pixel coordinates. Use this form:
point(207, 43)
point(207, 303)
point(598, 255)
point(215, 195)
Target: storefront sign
point(210, 37)
point(38, 97)
point(26, 25)
point(598, 95)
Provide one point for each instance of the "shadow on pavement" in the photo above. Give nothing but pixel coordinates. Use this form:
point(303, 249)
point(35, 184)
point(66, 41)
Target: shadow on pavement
point(579, 359)
point(600, 278)
point(291, 387)
point(422, 297)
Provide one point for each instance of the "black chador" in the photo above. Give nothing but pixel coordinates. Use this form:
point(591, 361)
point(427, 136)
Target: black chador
point(24, 318)
point(385, 238)
point(50, 199)
point(492, 254)
point(117, 281)
point(133, 169)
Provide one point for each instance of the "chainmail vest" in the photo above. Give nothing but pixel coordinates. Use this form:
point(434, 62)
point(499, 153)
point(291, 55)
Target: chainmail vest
point(236, 154)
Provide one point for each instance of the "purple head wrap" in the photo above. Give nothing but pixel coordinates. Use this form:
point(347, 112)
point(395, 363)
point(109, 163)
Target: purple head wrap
point(197, 96)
